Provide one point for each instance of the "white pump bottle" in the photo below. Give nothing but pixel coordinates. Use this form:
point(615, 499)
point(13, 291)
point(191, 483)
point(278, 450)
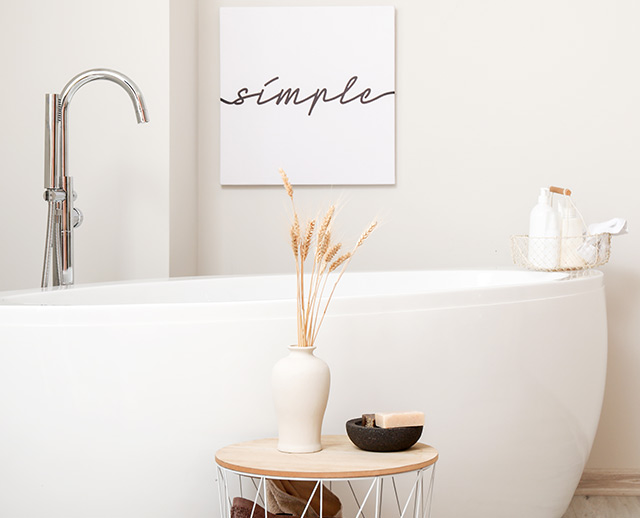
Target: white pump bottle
point(572, 230)
point(544, 233)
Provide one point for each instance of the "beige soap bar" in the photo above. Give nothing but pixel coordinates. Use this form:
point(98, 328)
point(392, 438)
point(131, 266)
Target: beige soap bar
point(398, 419)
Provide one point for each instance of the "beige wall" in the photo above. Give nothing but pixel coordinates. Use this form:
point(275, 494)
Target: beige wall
point(494, 100)
point(120, 168)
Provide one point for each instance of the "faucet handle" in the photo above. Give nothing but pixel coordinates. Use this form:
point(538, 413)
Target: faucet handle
point(54, 195)
point(77, 218)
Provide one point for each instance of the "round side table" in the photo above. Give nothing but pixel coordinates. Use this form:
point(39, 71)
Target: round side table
point(245, 469)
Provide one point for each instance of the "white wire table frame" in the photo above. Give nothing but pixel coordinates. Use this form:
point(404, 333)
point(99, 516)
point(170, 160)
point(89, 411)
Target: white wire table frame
point(370, 485)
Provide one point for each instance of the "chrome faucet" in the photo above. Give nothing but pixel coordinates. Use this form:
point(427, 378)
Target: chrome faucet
point(59, 193)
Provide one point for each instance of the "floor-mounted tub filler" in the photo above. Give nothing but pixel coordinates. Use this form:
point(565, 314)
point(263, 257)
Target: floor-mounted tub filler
point(114, 398)
point(59, 194)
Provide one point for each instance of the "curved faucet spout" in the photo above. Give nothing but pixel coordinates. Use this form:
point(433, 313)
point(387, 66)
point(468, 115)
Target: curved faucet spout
point(110, 75)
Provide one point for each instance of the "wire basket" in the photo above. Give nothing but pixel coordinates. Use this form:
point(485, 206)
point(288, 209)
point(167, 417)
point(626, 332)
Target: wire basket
point(559, 254)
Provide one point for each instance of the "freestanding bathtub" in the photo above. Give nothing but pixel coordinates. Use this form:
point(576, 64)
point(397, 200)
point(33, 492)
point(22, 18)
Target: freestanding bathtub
point(114, 398)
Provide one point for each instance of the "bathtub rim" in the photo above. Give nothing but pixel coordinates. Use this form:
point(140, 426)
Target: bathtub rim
point(573, 278)
point(41, 314)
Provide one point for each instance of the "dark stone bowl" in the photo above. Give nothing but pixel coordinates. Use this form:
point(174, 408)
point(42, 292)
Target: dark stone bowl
point(382, 439)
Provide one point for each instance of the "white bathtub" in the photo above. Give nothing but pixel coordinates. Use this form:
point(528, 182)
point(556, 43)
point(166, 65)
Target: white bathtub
point(114, 398)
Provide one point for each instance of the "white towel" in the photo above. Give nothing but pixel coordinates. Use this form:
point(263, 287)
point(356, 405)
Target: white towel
point(589, 250)
point(615, 227)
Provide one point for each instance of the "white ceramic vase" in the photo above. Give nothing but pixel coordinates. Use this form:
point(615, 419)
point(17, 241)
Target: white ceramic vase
point(300, 383)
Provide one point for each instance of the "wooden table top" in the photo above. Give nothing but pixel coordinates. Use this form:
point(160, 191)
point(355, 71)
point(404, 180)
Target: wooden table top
point(339, 458)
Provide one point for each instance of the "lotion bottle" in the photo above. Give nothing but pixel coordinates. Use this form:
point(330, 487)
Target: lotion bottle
point(572, 230)
point(544, 234)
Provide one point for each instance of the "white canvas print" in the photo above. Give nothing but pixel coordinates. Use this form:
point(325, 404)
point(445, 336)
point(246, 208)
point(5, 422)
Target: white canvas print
point(310, 90)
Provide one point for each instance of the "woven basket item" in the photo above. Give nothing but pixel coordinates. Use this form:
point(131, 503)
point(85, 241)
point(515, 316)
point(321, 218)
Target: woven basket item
point(556, 254)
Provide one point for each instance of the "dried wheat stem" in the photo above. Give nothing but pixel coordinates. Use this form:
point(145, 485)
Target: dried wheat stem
point(320, 263)
point(286, 182)
point(340, 260)
point(326, 221)
point(323, 246)
point(322, 231)
point(323, 241)
point(329, 256)
point(306, 242)
point(295, 246)
point(323, 237)
point(343, 261)
point(304, 251)
point(333, 251)
point(299, 315)
point(366, 233)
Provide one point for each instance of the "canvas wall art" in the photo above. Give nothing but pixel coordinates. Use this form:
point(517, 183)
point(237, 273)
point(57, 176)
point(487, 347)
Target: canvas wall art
point(308, 89)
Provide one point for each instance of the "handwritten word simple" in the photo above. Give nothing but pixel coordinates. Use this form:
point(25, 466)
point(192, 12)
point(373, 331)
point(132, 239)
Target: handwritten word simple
point(293, 95)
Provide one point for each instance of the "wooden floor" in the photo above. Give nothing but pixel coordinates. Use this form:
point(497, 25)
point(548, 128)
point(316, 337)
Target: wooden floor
point(604, 507)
